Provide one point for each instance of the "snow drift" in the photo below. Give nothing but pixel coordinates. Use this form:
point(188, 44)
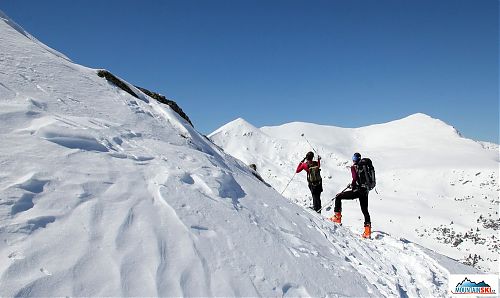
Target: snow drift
point(106, 194)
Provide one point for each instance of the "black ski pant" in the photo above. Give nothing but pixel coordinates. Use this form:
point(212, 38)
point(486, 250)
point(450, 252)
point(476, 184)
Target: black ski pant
point(360, 194)
point(316, 195)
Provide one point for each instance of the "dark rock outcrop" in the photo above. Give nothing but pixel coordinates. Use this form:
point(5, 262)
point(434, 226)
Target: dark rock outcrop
point(172, 104)
point(160, 98)
point(116, 81)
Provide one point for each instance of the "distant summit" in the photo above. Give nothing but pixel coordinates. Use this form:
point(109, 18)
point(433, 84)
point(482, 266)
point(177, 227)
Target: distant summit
point(238, 126)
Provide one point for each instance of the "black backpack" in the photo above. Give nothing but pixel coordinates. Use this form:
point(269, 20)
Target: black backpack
point(314, 175)
point(366, 174)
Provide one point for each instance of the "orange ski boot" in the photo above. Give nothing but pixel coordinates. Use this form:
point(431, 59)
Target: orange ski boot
point(368, 231)
point(337, 218)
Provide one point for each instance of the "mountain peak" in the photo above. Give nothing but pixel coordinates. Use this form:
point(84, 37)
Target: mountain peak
point(241, 122)
point(238, 124)
point(421, 123)
point(419, 116)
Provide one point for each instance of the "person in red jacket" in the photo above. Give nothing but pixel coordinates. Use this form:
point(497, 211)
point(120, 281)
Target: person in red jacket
point(313, 178)
point(356, 192)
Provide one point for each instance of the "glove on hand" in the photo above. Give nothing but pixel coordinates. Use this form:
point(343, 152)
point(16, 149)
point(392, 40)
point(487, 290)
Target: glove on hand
point(349, 185)
point(319, 157)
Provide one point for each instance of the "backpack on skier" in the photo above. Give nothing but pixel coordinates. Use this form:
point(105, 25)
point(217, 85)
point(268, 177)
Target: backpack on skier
point(314, 175)
point(366, 174)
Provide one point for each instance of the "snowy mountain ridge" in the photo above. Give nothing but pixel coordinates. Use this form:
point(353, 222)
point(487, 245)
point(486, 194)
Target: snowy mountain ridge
point(19, 29)
point(106, 194)
point(449, 182)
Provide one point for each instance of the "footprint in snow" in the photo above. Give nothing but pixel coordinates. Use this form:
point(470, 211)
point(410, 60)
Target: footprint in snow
point(294, 290)
point(16, 255)
point(45, 271)
point(186, 178)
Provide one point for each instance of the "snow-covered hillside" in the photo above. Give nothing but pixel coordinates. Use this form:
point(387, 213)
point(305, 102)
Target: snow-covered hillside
point(434, 187)
point(106, 194)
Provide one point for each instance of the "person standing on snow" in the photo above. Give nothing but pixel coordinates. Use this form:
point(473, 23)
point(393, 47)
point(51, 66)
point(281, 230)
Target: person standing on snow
point(357, 192)
point(314, 180)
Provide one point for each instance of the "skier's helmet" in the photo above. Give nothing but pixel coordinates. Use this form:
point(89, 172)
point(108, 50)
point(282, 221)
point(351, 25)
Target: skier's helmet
point(356, 157)
point(309, 155)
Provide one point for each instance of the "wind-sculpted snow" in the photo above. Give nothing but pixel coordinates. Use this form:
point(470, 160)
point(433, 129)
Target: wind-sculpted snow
point(102, 194)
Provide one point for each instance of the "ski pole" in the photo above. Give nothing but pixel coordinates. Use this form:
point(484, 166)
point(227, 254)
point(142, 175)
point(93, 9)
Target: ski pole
point(310, 144)
point(288, 183)
point(332, 201)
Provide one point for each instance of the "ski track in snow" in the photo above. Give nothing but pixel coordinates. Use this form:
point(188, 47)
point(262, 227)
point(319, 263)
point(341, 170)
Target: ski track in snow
point(102, 194)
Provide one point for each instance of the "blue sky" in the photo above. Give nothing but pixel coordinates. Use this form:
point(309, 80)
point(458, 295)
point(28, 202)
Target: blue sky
point(346, 63)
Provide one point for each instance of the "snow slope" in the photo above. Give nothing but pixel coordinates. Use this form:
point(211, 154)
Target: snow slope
point(434, 187)
point(104, 194)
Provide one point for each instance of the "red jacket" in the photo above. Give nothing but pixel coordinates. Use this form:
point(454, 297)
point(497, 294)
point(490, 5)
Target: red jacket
point(354, 175)
point(305, 166)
